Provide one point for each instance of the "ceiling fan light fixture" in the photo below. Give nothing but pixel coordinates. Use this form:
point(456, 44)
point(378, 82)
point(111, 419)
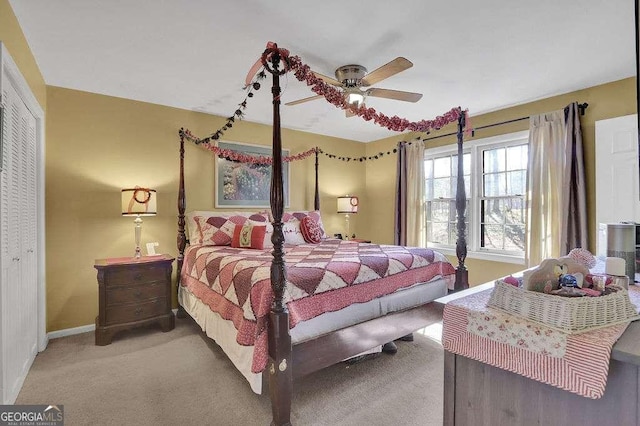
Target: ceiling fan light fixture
point(355, 99)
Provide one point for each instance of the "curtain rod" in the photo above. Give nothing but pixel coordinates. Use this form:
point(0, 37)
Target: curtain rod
point(582, 107)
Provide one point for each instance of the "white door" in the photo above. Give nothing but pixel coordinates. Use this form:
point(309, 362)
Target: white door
point(22, 298)
point(18, 279)
point(617, 180)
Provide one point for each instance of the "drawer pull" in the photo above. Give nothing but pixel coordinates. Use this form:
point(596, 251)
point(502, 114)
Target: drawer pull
point(138, 311)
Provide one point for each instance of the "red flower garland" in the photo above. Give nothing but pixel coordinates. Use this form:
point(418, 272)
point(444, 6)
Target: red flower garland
point(240, 157)
point(336, 97)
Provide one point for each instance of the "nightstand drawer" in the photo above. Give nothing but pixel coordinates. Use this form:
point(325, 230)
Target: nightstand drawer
point(138, 311)
point(117, 295)
point(137, 275)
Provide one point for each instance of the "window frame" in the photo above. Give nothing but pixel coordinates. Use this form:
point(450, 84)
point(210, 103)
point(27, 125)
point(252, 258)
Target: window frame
point(475, 148)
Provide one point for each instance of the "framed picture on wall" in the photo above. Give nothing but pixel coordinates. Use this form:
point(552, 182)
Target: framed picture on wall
point(245, 183)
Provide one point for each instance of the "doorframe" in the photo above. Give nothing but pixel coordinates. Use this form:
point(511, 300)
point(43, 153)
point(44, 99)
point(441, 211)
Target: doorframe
point(9, 68)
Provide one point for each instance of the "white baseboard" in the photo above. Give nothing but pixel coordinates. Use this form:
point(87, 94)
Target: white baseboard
point(71, 331)
point(77, 330)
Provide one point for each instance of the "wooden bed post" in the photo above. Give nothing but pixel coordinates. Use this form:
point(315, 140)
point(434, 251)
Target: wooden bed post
point(316, 200)
point(462, 275)
point(182, 238)
point(279, 365)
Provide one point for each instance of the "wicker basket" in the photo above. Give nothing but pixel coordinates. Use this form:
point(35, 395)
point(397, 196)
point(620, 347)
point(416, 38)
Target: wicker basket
point(566, 314)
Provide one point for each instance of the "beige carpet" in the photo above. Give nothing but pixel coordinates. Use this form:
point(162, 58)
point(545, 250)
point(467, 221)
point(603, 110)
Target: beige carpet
point(146, 377)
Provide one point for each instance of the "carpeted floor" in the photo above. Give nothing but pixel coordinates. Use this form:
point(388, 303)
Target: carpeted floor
point(146, 377)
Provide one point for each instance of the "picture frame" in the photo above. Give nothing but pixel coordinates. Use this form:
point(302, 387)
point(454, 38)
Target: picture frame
point(245, 184)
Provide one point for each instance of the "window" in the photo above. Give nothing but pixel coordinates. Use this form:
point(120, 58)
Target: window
point(441, 180)
point(495, 176)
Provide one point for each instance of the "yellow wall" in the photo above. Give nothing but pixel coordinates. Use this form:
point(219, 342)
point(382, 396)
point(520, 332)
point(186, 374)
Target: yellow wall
point(13, 38)
point(97, 145)
point(605, 101)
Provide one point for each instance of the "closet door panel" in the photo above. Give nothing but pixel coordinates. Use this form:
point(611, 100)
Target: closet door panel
point(28, 274)
point(19, 280)
point(11, 266)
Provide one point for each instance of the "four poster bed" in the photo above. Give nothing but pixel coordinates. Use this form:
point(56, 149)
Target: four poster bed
point(291, 309)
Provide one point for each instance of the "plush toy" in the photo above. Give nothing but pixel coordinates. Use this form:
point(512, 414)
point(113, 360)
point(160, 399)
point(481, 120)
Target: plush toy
point(546, 277)
point(512, 280)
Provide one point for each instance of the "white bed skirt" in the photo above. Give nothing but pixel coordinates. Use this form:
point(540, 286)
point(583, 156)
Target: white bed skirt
point(223, 332)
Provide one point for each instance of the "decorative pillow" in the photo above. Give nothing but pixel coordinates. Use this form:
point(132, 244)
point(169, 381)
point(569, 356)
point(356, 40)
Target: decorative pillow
point(292, 232)
point(269, 232)
point(192, 230)
point(249, 235)
point(315, 215)
point(218, 230)
point(311, 231)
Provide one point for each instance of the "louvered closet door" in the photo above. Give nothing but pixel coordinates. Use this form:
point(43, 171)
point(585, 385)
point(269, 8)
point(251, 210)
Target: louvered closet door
point(19, 226)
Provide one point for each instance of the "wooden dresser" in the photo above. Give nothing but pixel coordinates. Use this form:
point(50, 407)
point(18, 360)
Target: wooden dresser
point(476, 393)
point(133, 293)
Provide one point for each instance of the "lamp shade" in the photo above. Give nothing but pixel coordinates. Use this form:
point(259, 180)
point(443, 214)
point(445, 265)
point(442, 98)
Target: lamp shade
point(139, 202)
point(348, 204)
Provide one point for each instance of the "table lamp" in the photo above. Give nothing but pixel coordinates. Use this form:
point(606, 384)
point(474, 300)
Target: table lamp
point(138, 202)
point(348, 205)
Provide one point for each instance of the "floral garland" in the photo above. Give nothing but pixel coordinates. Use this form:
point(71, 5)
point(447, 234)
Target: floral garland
point(336, 97)
point(240, 157)
point(333, 95)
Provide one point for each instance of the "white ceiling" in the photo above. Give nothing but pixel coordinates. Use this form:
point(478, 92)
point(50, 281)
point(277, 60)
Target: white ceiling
point(195, 54)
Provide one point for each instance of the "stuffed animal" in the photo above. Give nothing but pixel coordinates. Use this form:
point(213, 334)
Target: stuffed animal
point(546, 277)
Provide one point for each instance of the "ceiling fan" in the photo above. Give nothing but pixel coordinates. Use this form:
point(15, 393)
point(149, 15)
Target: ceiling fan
point(352, 78)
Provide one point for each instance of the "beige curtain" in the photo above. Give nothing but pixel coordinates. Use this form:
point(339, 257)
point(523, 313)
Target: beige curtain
point(546, 186)
point(416, 222)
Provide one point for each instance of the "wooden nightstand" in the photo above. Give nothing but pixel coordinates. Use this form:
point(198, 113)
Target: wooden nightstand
point(133, 293)
point(359, 240)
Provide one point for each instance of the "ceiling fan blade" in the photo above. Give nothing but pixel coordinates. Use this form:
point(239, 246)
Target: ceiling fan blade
point(303, 100)
point(326, 79)
point(387, 70)
point(395, 94)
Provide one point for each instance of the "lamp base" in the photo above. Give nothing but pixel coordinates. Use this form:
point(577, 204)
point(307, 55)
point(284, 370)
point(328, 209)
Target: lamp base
point(138, 229)
point(347, 235)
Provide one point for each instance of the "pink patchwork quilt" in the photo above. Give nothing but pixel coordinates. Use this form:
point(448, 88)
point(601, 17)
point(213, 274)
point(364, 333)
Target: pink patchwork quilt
point(323, 277)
